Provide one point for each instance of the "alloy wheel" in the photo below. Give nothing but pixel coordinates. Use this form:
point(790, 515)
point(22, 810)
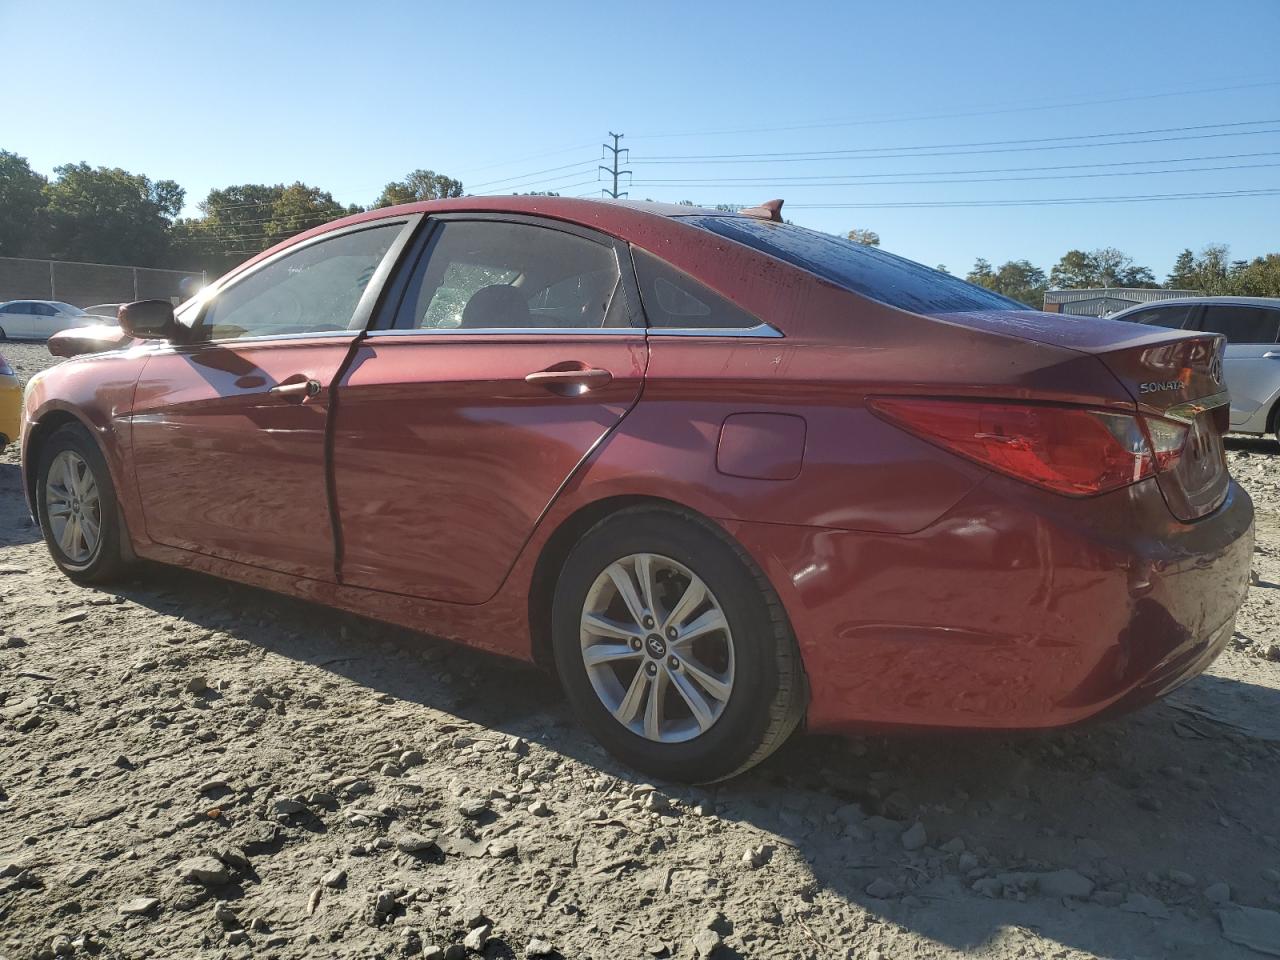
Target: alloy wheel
point(73, 507)
point(657, 648)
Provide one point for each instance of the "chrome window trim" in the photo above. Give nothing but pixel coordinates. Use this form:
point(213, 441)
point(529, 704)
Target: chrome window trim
point(764, 331)
point(761, 331)
point(507, 331)
point(232, 342)
point(1188, 411)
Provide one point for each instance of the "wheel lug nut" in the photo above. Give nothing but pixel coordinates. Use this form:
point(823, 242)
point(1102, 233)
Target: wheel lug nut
point(671, 633)
point(673, 663)
point(651, 668)
point(635, 643)
point(648, 621)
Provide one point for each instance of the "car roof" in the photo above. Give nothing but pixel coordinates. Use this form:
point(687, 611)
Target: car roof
point(622, 219)
point(1272, 302)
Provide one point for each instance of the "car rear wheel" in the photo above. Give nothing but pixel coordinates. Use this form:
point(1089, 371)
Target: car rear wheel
point(77, 508)
point(673, 648)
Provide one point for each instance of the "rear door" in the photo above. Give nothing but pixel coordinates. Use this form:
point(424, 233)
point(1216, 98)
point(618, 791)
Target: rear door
point(46, 320)
point(511, 347)
point(229, 429)
point(1251, 364)
point(17, 320)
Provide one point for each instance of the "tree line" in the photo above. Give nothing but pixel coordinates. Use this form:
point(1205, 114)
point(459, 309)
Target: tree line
point(109, 215)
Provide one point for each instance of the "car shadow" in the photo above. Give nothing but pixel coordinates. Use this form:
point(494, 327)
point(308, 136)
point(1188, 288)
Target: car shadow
point(1181, 786)
point(16, 526)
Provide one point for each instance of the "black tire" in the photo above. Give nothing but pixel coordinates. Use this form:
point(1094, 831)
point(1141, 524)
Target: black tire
point(768, 697)
point(108, 560)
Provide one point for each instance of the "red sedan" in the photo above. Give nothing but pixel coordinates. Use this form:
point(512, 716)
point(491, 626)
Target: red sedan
point(722, 473)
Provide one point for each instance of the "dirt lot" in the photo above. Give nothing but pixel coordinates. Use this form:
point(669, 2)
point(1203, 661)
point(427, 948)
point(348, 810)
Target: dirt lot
point(193, 768)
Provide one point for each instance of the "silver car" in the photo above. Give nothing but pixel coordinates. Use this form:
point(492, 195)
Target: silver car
point(1251, 365)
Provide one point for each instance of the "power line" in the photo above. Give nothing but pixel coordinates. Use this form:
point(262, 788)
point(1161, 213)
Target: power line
point(941, 173)
point(613, 168)
point(531, 173)
point(897, 183)
point(868, 121)
point(897, 151)
point(535, 156)
point(1046, 201)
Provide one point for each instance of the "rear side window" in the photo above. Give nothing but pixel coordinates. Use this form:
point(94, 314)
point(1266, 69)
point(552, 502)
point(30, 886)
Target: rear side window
point(865, 270)
point(1242, 324)
point(674, 300)
point(1173, 317)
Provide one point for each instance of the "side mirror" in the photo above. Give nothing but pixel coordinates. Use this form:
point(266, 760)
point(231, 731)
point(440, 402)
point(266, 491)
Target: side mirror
point(81, 340)
point(148, 319)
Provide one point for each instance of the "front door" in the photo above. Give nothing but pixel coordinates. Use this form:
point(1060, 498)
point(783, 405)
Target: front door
point(514, 351)
point(1251, 363)
point(229, 430)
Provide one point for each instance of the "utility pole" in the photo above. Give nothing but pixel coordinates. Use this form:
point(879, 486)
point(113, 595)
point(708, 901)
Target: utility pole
point(613, 170)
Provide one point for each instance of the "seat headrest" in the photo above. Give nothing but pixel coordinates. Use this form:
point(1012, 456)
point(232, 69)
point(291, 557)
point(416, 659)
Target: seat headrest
point(499, 305)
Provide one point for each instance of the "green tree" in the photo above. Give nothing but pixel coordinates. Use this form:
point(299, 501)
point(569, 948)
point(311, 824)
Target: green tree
point(981, 274)
point(1182, 276)
point(1104, 267)
point(242, 220)
point(108, 215)
point(868, 238)
point(419, 185)
point(1259, 277)
point(1019, 279)
point(22, 207)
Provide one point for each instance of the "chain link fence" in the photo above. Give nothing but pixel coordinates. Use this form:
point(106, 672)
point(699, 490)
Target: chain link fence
point(86, 284)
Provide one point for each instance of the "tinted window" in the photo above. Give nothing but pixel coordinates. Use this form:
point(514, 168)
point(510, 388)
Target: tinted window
point(1242, 324)
point(485, 274)
point(313, 290)
point(866, 270)
point(1175, 317)
point(672, 298)
point(42, 310)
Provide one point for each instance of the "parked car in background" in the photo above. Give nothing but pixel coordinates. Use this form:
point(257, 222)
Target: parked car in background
point(106, 311)
point(40, 319)
point(10, 404)
point(722, 473)
point(1251, 363)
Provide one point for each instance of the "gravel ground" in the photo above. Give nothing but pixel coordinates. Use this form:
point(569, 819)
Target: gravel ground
point(194, 768)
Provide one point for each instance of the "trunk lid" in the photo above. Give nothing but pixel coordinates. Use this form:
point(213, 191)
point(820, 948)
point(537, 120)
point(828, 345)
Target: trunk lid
point(1170, 374)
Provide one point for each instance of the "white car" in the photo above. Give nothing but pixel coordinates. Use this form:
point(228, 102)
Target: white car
point(40, 319)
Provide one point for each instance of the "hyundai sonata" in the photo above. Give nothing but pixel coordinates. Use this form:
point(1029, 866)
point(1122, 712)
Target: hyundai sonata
point(722, 473)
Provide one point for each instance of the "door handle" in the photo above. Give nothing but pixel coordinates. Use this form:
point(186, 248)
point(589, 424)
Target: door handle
point(586, 378)
point(1271, 355)
point(305, 389)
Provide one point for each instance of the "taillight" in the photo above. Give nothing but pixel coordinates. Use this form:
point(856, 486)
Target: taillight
point(1069, 450)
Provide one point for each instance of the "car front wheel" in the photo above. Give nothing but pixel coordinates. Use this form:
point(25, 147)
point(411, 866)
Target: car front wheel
point(77, 508)
point(673, 648)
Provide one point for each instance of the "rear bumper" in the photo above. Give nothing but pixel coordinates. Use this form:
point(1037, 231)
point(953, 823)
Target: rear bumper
point(1016, 610)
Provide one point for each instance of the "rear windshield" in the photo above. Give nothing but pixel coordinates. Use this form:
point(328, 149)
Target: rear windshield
point(869, 271)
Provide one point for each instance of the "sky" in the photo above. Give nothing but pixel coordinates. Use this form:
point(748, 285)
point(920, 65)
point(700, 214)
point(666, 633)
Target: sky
point(947, 106)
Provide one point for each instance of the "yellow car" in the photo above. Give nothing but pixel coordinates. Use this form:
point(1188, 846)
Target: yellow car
point(10, 404)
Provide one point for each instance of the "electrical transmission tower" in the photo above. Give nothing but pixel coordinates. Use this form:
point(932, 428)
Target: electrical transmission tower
point(613, 170)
